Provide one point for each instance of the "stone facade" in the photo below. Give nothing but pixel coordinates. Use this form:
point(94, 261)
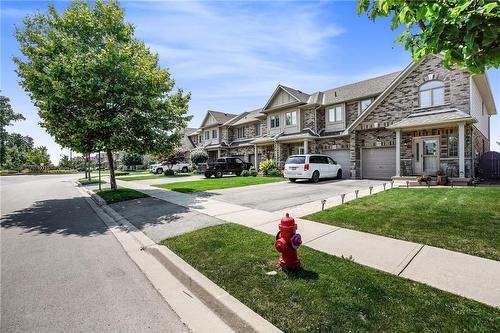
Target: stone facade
point(372, 131)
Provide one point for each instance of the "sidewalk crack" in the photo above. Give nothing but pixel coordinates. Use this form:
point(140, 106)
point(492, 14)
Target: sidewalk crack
point(409, 262)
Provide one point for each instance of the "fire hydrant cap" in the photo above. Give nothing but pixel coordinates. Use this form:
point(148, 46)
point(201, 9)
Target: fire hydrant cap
point(287, 221)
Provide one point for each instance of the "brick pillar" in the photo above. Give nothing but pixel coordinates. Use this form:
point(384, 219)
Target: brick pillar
point(355, 148)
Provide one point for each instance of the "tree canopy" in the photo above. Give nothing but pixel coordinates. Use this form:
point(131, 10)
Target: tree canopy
point(97, 87)
point(467, 32)
point(7, 116)
point(131, 159)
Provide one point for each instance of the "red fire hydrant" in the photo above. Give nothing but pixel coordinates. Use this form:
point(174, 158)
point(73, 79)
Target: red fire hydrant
point(287, 242)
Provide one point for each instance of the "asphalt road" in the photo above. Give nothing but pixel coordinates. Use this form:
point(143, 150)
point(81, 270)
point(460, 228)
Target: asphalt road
point(63, 271)
point(276, 196)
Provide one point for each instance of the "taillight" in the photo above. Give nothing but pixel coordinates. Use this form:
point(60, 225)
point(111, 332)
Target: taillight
point(306, 167)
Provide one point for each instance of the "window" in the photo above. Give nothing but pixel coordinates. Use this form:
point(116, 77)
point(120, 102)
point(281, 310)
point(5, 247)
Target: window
point(207, 135)
point(452, 146)
point(331, 161)
point(296, 160)
point(364, 104)
point(431, 93)
point(275, 121)
point(291, 118)
point(430, 147)
point(335, 114)
point(257, 129)
point(240, 132)
point(214, 134)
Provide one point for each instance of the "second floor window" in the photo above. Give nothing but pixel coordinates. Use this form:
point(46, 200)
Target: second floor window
point(240, 132)
point(364, 104)
point(214, 134)
point(275, 121)
point(291, 118)
point(431, 93)
point(335, 114)
point(257, 129)
point(207, 135)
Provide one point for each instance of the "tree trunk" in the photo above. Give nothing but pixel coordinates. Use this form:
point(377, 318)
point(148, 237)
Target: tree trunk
point(88, 167)
point(112, 180)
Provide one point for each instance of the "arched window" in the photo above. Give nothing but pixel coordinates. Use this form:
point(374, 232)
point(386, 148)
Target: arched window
point(431, 93)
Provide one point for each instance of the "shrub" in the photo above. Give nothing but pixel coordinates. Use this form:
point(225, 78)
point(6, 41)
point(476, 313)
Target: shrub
point(266, 166)
point(245, 173)
point(169, 172)
point(198, 155)
point(253, 172)
point(121, 173)
point(274, 173)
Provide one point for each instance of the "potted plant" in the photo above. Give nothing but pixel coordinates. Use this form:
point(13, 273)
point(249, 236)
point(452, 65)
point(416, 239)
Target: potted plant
point(423, 179)
point(442, 179)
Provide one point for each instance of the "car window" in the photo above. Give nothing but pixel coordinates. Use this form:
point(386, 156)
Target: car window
point(331, 161)
point(221, 160)
point(296, 160)
point(237, 160)
point(314, 159)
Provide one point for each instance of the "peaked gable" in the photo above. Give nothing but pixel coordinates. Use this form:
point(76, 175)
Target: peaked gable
point(283, 96)
point(216, 118)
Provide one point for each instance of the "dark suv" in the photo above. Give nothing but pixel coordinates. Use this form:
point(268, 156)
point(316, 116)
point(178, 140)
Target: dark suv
point(226, 165)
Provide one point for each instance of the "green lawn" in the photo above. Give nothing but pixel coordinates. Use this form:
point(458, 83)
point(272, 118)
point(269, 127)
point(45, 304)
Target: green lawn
point(121, 194)
point(150, 176)
point(91, 181)
point(460, 219)
point(218, 183)
point(331, 294)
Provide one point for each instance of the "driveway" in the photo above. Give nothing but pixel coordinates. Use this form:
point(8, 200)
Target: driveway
point(276, 196)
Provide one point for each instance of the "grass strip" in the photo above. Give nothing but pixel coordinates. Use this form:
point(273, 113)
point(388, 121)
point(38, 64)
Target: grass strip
point(218, 183)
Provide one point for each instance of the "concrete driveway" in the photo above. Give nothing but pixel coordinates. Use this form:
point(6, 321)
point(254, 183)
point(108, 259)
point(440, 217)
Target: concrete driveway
point(277, 196)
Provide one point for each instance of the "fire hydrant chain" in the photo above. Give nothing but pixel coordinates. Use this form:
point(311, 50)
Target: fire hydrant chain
point(287, 243)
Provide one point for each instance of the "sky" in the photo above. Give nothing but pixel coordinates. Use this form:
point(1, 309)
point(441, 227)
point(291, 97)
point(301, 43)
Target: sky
point(231, 55)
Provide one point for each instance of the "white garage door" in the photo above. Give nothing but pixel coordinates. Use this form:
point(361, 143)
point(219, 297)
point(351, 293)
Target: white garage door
point(378, 163)
point(343, 157)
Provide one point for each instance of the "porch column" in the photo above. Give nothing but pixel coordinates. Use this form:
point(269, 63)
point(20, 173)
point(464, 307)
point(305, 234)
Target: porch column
point(461, 150)
point(218, 153)
point(398, 153)
point(306, 147)
point(255, 158)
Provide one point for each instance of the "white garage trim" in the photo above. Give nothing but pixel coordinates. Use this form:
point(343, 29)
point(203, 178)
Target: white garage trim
point(378, 163)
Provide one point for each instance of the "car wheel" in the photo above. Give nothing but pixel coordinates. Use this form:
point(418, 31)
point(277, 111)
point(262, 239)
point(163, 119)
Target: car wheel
point(184, 170)
point(238, 173)
point(208, 174)
point(315, 176)
point(339, 174)
point(159, 170)
point(218, 174)
point(293, 180)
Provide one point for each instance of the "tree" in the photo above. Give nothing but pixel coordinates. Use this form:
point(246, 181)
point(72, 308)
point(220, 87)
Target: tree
point(177, 156)
point(38, 156)
point(467, 32)
point(17, 148)
point(132, 160)
point(198, 155)
point(65, 162)
point(96, 86)
point(7, 116)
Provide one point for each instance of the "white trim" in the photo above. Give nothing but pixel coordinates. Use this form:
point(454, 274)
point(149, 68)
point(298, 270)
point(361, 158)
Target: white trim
point(398, 153)
point(461, 150)
point(274, 94)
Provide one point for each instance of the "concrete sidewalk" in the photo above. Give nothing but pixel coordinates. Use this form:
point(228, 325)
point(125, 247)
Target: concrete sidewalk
point(473, 277)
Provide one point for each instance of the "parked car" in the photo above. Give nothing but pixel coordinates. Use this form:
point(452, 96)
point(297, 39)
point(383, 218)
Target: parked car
point(313, 167)
point(226, 165)
point(161, 167)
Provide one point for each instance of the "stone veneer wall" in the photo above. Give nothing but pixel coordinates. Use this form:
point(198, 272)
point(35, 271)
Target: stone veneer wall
point(403, 100)
point(307, 118)
point(320, 120)
point(327, 143)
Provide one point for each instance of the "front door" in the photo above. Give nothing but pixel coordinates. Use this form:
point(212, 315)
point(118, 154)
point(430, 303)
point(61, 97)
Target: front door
point(425, 156)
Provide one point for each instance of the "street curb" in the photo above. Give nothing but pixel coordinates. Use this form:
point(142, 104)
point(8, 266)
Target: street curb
point(235, 314)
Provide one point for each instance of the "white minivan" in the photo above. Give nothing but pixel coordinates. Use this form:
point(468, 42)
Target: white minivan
point(313, 167)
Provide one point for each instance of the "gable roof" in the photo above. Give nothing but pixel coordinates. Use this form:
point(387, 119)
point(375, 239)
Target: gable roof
point(246, 117)
point(298, 95)
point(220, 117)
point(366, 88)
